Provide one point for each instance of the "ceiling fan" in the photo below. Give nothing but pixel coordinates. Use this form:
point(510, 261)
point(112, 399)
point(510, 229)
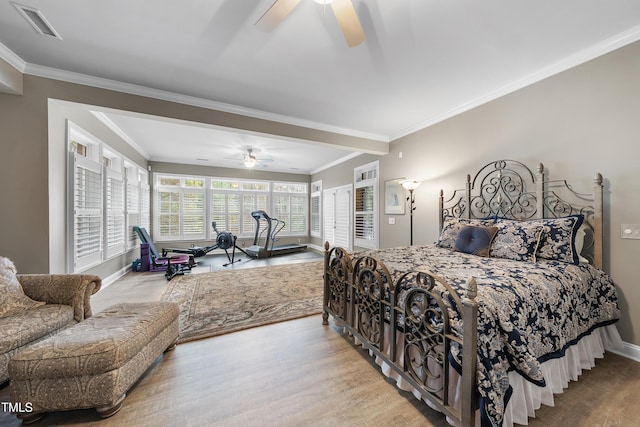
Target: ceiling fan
point(343, 9)
point(250, 161)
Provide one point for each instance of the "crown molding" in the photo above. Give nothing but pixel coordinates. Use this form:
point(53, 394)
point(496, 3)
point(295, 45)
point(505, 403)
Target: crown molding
point(336, 162)
point(116, 129)
point(595, 51)
point(12, 59)
point(87, 80)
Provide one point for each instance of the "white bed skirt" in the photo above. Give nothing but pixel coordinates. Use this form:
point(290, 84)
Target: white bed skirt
point(528, 397)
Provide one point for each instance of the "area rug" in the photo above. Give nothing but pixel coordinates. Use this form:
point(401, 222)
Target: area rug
point(227, 301)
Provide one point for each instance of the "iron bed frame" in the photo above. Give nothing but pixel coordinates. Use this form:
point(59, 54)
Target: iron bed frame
point(362, 298)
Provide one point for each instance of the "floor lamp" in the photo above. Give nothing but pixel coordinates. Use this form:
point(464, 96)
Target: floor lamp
point(411, 184)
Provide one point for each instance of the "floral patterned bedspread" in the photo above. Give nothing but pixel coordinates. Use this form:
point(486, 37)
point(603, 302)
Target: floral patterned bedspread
point(527, 313)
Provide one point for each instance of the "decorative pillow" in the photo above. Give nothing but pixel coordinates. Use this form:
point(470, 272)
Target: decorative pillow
point(475, 240)
point(558, 238)
point(516, 240)
point(12, 297)
point(452, 226)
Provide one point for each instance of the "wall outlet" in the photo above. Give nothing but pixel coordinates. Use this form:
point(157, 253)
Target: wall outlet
point(630, 231)
point(392, 220)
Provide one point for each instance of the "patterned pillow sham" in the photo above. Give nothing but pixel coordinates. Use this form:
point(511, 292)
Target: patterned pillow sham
point(516, 240)
point(558, 240)
point(452, 226)
point(475, 240)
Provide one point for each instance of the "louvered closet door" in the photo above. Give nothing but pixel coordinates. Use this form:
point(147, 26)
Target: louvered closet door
point(343, 219)
point(336, 213)
point(328, 215)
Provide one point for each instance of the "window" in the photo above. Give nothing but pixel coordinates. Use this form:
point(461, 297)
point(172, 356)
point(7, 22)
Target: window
point(181, 208)
point(232, 202)
point(315, 214)
point(87, 212)
point(106, 199)
point(187, 205)
point(114, 204)
point(137, 202)
point(366, 205)
point(290, 206)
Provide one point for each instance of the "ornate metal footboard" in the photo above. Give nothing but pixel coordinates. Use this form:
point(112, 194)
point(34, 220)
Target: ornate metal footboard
point(407, 325)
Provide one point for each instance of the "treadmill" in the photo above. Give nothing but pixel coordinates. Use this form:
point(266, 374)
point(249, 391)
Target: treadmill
point(272, 228)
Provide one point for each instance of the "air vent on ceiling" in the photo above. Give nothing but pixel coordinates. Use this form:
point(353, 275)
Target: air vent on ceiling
point(37, 20)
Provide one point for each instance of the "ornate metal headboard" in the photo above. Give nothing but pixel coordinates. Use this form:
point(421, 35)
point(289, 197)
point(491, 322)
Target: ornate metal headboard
point(509, 189)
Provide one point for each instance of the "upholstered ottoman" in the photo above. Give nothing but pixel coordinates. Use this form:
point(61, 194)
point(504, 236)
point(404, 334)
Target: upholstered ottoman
point(94, 363)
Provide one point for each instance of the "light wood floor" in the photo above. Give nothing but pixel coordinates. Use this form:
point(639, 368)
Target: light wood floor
point(300, 373)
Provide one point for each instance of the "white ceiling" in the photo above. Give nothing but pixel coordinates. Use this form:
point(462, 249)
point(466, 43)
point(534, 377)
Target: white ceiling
point(422, 61)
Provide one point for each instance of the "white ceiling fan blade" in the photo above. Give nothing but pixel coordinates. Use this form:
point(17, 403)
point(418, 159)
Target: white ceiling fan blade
point(348, 21)
point(275, 14)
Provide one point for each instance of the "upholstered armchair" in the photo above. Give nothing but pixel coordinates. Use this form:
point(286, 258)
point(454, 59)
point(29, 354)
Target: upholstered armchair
point(66, 300)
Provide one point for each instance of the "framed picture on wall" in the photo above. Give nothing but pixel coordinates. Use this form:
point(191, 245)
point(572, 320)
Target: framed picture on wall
point(394, 197)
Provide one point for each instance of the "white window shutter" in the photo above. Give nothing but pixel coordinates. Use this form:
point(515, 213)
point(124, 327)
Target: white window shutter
point(87, 215)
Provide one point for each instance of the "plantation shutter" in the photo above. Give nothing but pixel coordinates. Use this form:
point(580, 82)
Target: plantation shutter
point(298, 217)
point(366, 206)
point(315, 214)
point(133, 207)
point(87, 212)
point(281, 211)
point(226, 212)
point(328, 213)
point(336, 212)
point(114, 203)
point(342, 233)
point(169, 213)
point(145, 206)
point(193, 214)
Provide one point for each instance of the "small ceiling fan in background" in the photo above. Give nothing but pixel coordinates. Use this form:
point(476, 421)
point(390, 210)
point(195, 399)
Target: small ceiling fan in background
point(250, 161)
point(343, 9)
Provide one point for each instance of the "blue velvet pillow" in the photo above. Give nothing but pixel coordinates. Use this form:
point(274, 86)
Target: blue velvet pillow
point(475, 240)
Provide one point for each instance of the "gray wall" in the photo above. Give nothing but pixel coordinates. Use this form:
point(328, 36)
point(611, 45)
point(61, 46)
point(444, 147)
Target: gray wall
point(32, 163)
point(578, 123)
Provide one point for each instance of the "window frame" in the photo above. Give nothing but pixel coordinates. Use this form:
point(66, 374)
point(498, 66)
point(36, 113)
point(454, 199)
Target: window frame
point(87, 151)
point(365, 219)
point(251, 194)
point(315, 209)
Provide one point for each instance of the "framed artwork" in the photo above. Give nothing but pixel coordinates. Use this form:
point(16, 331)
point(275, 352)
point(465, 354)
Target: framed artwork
point(394, 197)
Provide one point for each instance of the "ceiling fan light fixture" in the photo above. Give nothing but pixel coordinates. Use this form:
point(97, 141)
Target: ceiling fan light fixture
point(249, 161)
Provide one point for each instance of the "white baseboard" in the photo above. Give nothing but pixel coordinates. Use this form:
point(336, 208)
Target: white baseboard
point(115, 276)
point(315, 247)
point(630, 351)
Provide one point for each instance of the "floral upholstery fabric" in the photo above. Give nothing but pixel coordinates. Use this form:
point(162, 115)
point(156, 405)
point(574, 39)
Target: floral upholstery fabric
point(558, 240)
point(528, 312)
point(516, 240)
point(93, 363)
